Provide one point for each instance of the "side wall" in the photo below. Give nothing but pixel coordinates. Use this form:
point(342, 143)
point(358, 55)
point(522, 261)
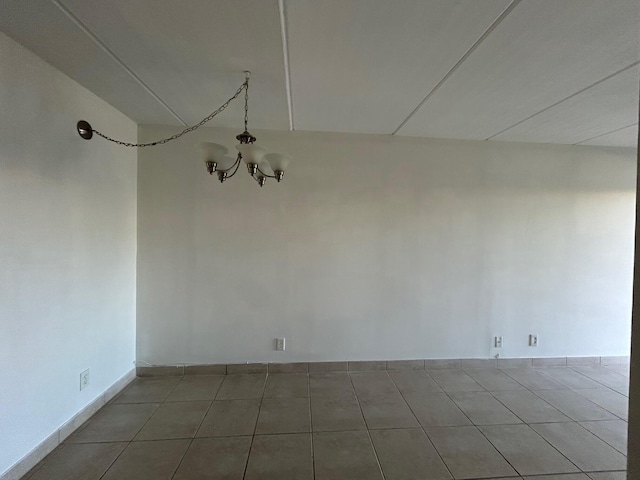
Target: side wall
point(378, 247)
point(67, 251)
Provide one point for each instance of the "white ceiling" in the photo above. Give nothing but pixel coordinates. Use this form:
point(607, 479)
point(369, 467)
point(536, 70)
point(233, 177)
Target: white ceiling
point(549, 71)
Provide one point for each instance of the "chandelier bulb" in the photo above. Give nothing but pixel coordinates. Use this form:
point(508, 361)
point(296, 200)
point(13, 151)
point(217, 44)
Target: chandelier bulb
point(222, 176)
point(261, 181)
point(279, 174)
point(252, 168)
point(211, 167)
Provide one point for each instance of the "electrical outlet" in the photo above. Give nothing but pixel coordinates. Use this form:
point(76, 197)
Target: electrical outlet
point(280, 344)
point(497, 342)
point(533, 340)
point(84, 379)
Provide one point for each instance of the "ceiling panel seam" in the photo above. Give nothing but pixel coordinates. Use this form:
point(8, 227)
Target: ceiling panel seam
point(606, 133)
point(285, 51)
point(87, 31)
point(462, 59)
point(608, 77)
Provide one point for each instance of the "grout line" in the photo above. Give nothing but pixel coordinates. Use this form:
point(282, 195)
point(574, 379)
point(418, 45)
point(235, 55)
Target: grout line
point(282, 9)
point(313, 456)
point(602, 135)
point(255, 427)
point(87, 31)
point(567, 98)
point(462, 59)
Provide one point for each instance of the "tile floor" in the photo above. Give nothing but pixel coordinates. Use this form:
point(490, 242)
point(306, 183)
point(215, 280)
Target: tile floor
point(553, 423)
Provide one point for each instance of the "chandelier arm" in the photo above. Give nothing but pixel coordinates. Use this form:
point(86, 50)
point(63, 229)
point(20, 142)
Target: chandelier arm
point(85, 130)
point(265, 174)
point(237, 164)
point(232, 166)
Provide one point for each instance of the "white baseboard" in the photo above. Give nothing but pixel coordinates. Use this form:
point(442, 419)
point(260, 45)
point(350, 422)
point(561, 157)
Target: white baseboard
point(44, 448)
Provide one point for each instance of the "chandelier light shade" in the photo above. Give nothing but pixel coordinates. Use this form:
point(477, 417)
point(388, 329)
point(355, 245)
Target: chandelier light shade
point(260, 164)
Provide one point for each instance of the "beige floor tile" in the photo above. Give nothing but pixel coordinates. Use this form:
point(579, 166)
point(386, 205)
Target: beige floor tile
point(387, 411)
point(603, 375)
point(608, 476)
point(614, 432)
point(408, 455)
point(280, 457)
point(526, 451)
point(148, 390)
point(436, 410)
point(568, 476)
point(455, 381)
point(612, 401)
point(284, 415)
point(344, 455)
point(530, 408)
point(329, 414)
point(483, 409)
point(174, 420)
point(619, 369)
point(157, 460)
point(196, 387)
point(242, 386)
point(330, 385)
point(468, 454)
point(373, 383)
point(85, 461)
point(223, 458)
point(494, 380)
point(414, 382)
point(533, 379)
point(287, 385)
point(115, 423)
point(582, 447)
point(575, 406)
point(230, 418)
point(569, 377)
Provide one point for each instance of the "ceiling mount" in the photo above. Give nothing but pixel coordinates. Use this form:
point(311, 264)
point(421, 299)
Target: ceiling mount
point(84, 129)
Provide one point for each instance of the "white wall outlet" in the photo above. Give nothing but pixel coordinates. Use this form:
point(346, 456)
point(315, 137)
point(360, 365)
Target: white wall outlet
point(497, 342)
point(533, 340)
point(84, 379)
point(280, 344)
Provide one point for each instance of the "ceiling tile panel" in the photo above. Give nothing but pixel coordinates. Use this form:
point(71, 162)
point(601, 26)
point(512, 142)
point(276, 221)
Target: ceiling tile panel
point(625, 137)
point(605, 107)
point(541, 53)
point(192, 53)
point(363, 65)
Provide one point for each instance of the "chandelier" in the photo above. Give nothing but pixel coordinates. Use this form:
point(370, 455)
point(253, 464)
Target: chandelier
point(260, 164)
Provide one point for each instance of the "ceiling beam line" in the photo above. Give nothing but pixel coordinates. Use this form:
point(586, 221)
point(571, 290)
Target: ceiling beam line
point(285, 51)
point(87, 31)
point(566, 98)
point(473, 47)
point(606, 133)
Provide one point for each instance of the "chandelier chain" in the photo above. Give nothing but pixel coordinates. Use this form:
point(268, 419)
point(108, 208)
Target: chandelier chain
point(244, 86)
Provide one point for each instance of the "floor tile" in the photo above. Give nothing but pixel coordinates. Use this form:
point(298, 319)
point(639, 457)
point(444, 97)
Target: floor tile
point(174, 420)
point(612, 401)
point(619, 369)
point(284, 415)
point(574, 406)
point(622, 389)
point(530, 408)
point(157, 460)
point(408, 455)
point(241, 386)
point(533, 379)
point(330, 414)
point(455, 381)
point(614, 432)
point(494, 380)
point(387, 411)
point(344, 455)
point(365, 366)
point(280, 457)
point(566, 476)
point(373, 383)
point(223, 458)
point(115, 423)
point(603, 375)
point(608, 476)
point(436, 410)
point(414, 382)
point(483, 409)
point(196, 387)
point(328, 367)
point(87, 461)
point(330, 385)
point(582, 447)
point(230, 417)
point(468, 454)
point(569, 377)
point(287, 385)
point(526, 451)
point(148, 390)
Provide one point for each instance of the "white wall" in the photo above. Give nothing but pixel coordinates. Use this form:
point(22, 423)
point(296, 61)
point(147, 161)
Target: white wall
point(378, 247)
point(67, 250)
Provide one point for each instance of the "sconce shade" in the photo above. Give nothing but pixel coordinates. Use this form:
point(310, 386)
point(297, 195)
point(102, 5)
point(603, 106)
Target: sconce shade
point(251, 154)
point(225, 163)
point(212, 152)
point(278, 161)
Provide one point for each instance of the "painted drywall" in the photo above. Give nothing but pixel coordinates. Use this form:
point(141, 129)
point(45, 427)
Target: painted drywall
point(377, 247)
point(67, 250)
